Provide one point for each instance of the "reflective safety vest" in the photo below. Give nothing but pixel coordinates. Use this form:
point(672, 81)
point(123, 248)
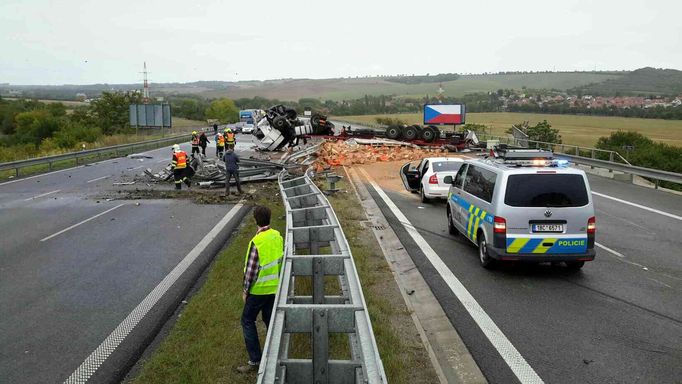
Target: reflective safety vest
point(195, 140)
point(180, 160)
point(230, 138)
point(270, 247)
point(221, 140)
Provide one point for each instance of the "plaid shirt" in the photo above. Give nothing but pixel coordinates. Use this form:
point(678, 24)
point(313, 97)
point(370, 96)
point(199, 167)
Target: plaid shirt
point(252, 265)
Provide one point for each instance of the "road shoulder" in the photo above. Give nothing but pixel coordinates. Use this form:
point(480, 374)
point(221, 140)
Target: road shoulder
point(449, 355)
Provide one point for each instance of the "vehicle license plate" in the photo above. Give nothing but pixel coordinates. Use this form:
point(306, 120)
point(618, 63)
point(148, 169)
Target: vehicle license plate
point(548, 227)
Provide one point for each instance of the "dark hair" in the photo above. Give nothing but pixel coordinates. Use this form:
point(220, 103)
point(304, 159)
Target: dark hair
point(262, 215)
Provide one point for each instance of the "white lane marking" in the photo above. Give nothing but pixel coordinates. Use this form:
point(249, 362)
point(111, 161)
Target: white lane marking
point(99, 178)
point(610, 250)
point(132, 169)
point(83, 373)
point(523, 371)
point(638, 205)
point(81, 223)
point(43, 195)
point(622, 258)
point(42, 174)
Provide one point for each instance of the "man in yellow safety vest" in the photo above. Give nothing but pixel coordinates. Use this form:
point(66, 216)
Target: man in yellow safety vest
point(229, 138)
point(261, 279)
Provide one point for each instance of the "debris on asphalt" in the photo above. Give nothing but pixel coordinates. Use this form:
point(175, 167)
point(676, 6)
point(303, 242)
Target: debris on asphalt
point(125, 183)
point(140, 156)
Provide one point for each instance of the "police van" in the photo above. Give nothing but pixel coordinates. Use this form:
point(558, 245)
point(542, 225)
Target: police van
point(522, 204)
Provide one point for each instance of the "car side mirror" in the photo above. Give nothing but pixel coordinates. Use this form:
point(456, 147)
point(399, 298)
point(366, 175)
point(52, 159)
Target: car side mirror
point(447, 180)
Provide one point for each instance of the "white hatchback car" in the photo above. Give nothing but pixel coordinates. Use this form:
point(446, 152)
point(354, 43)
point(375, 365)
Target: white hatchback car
point(427, 177)
point(247, 129)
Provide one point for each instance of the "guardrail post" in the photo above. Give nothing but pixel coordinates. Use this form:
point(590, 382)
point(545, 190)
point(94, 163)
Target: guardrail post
point(320, 346)
point(318, 280)
point(17, 172)
point(593, 154)
point(577, 151)
point(656, 184)
point(49, 165)
point(611, 156)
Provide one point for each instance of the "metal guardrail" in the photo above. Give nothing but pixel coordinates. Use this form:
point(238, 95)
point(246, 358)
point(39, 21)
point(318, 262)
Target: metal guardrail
point(316, 247)
point(568, 149)
point(116, 149)
point(650, 173)
point(654, 174)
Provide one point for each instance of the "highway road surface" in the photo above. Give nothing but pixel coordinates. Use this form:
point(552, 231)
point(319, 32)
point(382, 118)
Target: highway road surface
point(619, 320)
point(76, 268)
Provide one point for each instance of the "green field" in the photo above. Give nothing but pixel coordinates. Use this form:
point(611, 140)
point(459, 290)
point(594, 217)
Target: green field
point(353, 88)
point(577, 130)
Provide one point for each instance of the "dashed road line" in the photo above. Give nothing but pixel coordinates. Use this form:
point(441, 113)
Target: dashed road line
point(42, 174)
point(83, 373)
point(523, 371)
point(81, 223)
point(43, 195)
point(638, 205)
point(99, 178)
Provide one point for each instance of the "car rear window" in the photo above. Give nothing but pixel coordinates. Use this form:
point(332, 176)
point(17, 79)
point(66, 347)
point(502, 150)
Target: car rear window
point(443, 166)
point(546, 190)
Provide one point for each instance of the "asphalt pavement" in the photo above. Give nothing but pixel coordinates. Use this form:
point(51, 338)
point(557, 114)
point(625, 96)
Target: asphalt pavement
point(74, 264)
point(619, 320)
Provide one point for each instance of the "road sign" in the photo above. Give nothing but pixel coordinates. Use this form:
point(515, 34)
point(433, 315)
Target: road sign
point(444, 114)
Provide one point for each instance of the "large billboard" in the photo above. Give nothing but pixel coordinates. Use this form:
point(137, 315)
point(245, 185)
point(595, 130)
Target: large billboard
point(444, 114)
point(150, 115)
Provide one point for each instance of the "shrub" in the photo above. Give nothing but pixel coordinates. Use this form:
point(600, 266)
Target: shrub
point(72, 133)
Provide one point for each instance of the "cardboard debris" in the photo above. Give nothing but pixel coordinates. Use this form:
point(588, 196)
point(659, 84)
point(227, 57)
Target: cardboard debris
point(355, 151)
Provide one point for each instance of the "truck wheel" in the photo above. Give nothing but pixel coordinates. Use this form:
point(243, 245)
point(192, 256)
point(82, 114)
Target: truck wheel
point(393, 132)
point(409, 133)
point(487, 262)
point(429, 135)
point(280, 123)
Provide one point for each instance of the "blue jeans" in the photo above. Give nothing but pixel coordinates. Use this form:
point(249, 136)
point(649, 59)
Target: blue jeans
point(255, 304)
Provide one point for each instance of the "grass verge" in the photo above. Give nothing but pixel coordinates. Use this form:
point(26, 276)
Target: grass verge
point(206, 343)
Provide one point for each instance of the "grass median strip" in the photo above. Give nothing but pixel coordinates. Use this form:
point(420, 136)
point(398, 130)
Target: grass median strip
point(206, 343)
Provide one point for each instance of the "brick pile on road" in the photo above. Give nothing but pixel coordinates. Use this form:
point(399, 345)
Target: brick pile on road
point(348, 153)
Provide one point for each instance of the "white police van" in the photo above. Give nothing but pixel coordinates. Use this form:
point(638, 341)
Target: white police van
point(523, 205)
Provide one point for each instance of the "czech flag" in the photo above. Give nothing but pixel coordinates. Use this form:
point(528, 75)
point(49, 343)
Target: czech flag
point(443, 114)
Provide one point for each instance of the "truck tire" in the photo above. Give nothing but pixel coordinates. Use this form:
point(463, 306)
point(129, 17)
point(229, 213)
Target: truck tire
point(280, 123)
point(393, 132)
point(429, 134)
point(409, 133)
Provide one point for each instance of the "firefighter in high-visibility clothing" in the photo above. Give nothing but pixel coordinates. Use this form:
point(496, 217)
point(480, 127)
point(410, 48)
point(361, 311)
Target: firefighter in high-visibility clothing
point(179, 165)
point(195, 143)
point(219, 145)
point(230, 140)
point(261, 279)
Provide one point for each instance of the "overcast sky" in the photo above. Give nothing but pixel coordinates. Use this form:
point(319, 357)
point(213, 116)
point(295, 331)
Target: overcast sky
point(84, 42)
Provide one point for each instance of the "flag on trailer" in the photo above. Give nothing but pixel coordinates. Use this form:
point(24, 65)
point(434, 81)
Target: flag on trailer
point(443, 114)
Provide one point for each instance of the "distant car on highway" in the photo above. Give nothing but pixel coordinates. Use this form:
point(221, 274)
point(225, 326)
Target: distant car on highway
point(523, 205)
point(428, 177)
point(247, 129)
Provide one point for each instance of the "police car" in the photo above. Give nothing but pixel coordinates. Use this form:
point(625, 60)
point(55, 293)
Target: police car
point(523, 205)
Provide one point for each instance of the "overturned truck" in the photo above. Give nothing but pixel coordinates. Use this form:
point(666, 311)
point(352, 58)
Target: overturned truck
point(282, 127)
